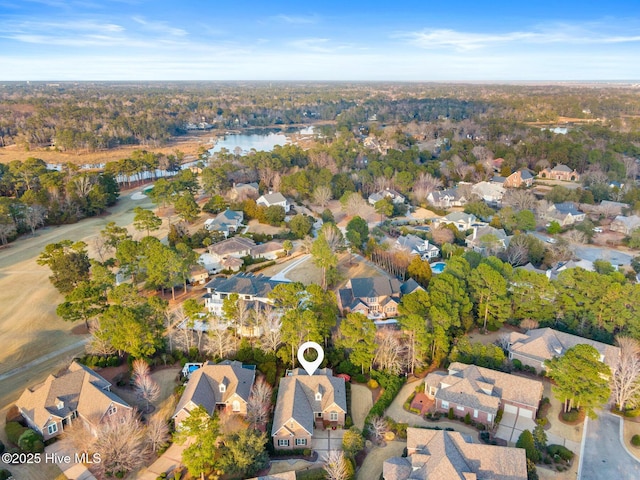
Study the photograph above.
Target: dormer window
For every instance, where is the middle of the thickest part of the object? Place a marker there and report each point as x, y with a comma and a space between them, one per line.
60, 405
223, 388
318, 397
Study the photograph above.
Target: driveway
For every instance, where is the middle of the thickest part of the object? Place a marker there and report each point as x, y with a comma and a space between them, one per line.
604, 455
615, 257
512, 425
324, 441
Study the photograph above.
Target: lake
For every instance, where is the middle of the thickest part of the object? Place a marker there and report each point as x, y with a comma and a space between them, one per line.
260, 140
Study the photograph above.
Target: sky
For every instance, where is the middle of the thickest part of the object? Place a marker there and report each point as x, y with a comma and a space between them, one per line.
530, 40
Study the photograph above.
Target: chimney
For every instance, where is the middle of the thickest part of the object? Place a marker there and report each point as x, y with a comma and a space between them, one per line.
475, 232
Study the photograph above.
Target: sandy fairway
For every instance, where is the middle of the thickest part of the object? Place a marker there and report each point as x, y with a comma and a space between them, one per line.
29, 327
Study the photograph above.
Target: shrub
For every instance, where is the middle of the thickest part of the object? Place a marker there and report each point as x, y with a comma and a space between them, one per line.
31, 442
392, 385
5, 474
348, 422
635, 440
571, 416
372, 384
14, 430
467, 418
517, 364
542, 421
360, 378
632, 413
417, 411
485, 436
499, 415
525, 440
451, 415
561, 451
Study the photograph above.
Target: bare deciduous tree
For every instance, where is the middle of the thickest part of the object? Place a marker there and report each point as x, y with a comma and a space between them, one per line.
442, 235
140, 368
503, 341
259, 403
121, 444
575, 236
625, 378
322, 195
333, 235
354, 204
147, 389
98, 343
517, 253
529, 324
34, 217
519, 199
377, 428
157, 432
6, 230
424, 185
391, 354
336, 467
220, 342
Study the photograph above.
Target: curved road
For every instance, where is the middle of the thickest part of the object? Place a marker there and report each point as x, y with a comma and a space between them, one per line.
604, 456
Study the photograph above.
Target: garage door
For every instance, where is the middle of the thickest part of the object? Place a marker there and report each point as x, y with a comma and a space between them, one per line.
510, 409
526, 413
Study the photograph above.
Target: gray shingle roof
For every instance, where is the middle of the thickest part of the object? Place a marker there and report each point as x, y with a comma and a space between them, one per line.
561, 168
273, 198
203, 387
296, 398
244, 284
369, 287
566, 208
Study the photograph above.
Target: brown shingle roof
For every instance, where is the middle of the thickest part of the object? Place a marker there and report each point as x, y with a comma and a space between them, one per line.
442, 455
77, 389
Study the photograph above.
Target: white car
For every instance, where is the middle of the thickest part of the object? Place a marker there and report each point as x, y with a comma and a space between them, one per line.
598, 229
551, 240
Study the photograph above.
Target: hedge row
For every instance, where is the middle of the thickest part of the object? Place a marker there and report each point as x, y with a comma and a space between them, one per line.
391, 385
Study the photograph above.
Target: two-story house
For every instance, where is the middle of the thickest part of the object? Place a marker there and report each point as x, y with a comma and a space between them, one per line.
77, 393
481, 392
624, 224
560, 172
451, 197
391, 194
250, 288
565, 213
375, 297
522, 177
462, 221
415, 245
487, 240
227, 222
271, 199
223, 386
306, 403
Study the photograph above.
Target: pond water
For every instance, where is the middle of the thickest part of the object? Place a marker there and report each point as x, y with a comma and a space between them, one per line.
260, 140
438, 267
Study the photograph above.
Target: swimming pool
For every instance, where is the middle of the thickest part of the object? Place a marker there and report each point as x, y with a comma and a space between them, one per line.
438, 267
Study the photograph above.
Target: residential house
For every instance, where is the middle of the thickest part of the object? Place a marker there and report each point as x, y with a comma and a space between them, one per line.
306, 403
251, 288
540, 344
443, 455
271, 199
522, 177
462, 221
243, 191
417, 246
392, 195
268, 250
198, 274
227, 222
498, 180
489, 192
451, 197
375, 297
560, 172
78, 392
564, 213
487, 239
225, 386
481, 392
624, 224
236, 247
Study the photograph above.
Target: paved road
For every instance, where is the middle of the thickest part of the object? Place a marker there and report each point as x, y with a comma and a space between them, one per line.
282, 275
615, 257
604, 455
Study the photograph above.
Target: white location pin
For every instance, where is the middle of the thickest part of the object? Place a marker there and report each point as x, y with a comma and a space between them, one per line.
310, 367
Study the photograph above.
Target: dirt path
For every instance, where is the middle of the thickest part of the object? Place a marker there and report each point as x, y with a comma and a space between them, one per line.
29, 327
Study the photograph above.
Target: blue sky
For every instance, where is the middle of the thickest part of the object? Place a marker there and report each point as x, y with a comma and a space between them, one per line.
321, 40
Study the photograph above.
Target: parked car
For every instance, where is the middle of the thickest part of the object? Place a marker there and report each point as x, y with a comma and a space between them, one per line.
551, 240
598, 229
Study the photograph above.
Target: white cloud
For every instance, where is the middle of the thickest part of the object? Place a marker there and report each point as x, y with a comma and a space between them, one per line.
160, 27
296, 19
554, 34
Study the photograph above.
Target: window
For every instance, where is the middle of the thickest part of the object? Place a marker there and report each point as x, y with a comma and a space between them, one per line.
283, 442
489, 417
319, 414
53, 428
236, 406
445, 404
460, 407
475, 414
333, 416
223, 388
300, 441
112, 410
318, 397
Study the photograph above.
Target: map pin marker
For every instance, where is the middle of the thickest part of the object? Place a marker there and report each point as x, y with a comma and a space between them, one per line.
310, 367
